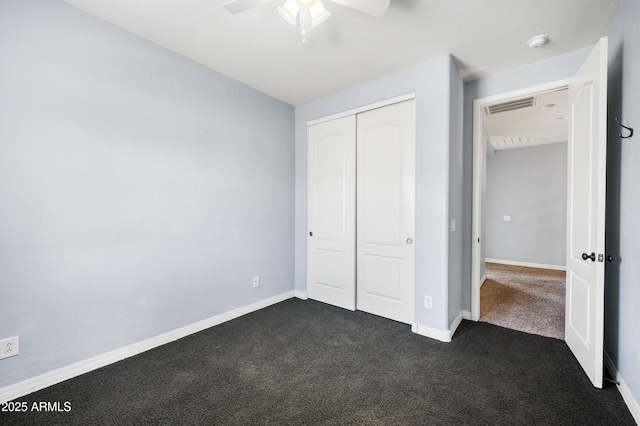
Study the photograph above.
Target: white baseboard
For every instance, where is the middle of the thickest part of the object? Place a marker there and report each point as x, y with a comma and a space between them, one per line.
301, 295
482, 280
441, 335
633, 405
48, 379
527, 264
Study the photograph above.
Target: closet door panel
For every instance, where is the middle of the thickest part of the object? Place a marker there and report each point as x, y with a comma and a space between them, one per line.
386, 211
331, 212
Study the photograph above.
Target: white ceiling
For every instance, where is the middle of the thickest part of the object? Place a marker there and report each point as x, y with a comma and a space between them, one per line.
261, 50
545, 121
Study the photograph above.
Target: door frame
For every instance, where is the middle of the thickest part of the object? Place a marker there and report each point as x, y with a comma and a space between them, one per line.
369, 107
479, 163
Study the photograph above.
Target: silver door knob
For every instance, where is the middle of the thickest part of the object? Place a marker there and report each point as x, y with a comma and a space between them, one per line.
409, 241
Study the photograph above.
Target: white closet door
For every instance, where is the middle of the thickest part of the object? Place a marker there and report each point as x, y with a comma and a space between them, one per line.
331, 203
386, 211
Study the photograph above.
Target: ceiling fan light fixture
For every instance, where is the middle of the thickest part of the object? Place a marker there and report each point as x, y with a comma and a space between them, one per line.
307, 30
318, 13
289, 11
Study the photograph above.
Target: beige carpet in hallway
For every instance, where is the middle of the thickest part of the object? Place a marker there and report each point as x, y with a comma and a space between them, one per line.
526, 299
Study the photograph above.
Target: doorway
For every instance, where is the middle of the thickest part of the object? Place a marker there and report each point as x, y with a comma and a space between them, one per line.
482, 147
586, 197
524, 211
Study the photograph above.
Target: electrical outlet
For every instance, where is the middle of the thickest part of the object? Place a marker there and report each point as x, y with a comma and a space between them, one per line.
9, 347
428, 302
256, 282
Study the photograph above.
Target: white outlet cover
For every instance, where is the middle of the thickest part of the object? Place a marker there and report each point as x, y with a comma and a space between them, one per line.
9, 347
428, 302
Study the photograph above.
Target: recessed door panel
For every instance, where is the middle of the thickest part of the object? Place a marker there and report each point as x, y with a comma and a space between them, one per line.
331, 265
578, 319
382, 168
382, 277
332, 152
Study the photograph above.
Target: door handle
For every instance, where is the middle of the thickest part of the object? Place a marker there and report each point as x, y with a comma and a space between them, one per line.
409, 241
585, 256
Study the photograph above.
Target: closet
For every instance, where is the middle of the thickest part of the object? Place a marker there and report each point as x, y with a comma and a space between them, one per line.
361, 211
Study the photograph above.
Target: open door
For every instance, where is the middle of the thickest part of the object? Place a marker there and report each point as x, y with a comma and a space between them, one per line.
587, 147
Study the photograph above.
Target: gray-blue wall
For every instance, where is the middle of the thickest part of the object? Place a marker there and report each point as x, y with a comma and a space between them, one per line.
622, 276
530, 185
139, 191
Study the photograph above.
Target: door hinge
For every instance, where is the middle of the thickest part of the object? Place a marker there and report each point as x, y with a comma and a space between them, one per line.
601, 257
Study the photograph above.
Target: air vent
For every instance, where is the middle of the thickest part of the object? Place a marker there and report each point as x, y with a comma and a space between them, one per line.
509, 106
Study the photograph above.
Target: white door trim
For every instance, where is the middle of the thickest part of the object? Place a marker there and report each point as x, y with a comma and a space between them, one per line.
478, 168
354, 111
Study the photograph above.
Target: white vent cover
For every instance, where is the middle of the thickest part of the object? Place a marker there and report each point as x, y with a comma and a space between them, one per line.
509, 106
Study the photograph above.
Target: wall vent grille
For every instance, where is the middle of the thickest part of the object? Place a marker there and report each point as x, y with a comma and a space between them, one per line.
509, 106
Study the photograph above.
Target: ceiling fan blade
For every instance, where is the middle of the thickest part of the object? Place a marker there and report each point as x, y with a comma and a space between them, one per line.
376, 8
238, 6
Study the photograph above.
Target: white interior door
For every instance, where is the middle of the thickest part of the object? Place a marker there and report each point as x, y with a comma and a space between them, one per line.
386, 211
331, 215
584, 322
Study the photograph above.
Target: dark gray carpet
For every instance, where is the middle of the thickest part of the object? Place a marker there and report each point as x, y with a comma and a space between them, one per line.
304, 362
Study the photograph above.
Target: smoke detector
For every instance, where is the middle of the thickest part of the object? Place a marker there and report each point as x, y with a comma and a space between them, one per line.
538, 41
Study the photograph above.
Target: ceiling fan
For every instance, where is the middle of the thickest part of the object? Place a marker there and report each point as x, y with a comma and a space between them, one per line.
311, 12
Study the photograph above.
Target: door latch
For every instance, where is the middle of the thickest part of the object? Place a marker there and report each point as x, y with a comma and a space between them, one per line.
601, 257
